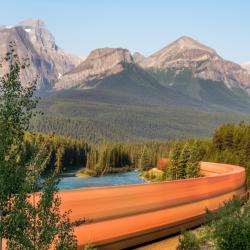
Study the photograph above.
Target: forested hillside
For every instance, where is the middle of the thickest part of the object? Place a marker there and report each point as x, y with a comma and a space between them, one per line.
110, 121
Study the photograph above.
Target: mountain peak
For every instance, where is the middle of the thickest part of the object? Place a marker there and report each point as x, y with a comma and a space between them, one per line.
32, 23
100, 63
188, 43
122, 55
181, 50
203, 62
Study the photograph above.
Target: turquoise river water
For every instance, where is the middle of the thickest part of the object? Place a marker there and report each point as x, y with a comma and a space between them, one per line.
68, 183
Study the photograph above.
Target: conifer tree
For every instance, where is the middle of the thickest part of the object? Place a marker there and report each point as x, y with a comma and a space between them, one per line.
193, 165
172, 169
183, 161
145, 162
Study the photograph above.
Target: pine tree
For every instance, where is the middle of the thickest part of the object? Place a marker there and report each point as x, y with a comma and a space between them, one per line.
193, 165
172, 169
183, 161
145, 162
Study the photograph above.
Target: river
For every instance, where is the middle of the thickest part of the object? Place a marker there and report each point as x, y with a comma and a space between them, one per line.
69, 183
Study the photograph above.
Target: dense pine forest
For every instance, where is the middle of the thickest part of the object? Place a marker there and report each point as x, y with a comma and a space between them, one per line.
99, 122
230, 144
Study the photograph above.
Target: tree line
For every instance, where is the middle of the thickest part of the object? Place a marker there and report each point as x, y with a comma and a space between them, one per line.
113, 158
229, 144
66, 153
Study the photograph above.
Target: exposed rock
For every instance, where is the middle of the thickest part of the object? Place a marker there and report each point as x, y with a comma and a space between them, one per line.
204, 62
44, 43
138, 57
35, 42
99, 64
246, 66
25, 49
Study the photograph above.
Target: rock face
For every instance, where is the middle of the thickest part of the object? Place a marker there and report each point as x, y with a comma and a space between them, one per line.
25, 49
204, 62
34, 41
138, 57
99, 64
246, 66
44, 43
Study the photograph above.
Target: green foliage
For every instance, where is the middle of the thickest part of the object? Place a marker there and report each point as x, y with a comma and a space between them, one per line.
231, 226
113, 158
231, 144
66, 153
185, 158
145, 161
192, 168
28, 220
99, 121
35, 221
172, 170
153, 175
228, 228
188, 241
16, 105
90, 247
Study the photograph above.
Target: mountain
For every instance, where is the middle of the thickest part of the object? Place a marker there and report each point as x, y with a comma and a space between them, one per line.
138, 57
25, 49
99, 64
111, 75
111, 97
204, 63
35, 42
246, 66
44, 43
184, 90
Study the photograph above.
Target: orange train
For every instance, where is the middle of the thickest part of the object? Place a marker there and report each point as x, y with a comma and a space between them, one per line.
126, 216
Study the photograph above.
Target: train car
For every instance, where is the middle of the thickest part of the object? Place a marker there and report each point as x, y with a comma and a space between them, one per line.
125, 216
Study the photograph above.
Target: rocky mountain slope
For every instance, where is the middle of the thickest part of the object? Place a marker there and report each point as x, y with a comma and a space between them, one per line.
138, 57
25, 49
184, 70
99, 64
204, 63
35, 42
246, 66
44, 43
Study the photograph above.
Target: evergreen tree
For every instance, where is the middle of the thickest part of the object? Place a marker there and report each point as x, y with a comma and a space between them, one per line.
145, 162
183, 161
193, 165
172, 169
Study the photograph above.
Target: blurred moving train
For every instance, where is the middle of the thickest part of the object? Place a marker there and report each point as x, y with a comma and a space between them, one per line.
125, 216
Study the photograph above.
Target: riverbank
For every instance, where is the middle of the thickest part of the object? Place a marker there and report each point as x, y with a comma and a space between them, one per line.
86, 172
153, 175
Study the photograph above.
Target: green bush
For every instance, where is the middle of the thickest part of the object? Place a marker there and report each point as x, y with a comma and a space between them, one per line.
188, 241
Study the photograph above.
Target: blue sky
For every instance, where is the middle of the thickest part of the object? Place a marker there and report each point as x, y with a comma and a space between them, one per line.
80, 26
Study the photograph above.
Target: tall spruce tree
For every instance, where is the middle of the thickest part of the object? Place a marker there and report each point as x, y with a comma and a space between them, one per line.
183, 161
193, 164
172, 169
145, 161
